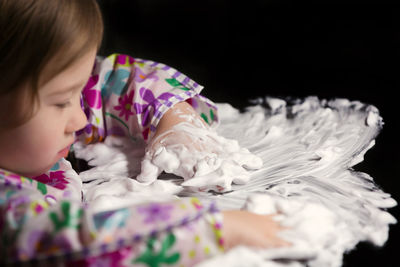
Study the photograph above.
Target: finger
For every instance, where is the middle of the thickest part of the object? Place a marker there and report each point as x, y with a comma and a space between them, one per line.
207, 165
276, 218
149, 171
213, 181
166, 160
238, 173
276, 242
246, 159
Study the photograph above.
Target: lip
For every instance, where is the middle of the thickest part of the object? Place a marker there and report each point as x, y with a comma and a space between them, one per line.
64, 152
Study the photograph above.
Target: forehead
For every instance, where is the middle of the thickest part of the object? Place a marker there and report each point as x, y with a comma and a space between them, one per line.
74, 75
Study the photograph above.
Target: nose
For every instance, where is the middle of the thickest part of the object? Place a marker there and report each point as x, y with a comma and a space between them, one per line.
77, 119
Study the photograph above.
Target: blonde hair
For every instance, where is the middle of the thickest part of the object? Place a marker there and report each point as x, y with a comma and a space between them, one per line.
39, 34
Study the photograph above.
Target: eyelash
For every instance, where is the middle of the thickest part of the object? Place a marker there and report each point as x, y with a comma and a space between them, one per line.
63, 105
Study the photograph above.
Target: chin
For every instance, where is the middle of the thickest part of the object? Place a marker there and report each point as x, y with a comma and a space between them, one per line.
40, 172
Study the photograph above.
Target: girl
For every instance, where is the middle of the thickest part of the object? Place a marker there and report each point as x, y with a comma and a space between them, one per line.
52, 95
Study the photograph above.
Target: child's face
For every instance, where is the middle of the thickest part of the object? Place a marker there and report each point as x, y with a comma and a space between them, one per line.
34, 147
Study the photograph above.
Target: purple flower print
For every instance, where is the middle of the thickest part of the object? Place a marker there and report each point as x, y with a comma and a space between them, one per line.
92, 133
153, 104
116, 131
11, 178
32, 243
125, 105
140, 76
156, 212
56, 179
16, 209
92, 96
17, 201
44, 242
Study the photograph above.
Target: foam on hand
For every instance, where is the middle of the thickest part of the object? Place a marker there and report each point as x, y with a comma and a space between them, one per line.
204, 159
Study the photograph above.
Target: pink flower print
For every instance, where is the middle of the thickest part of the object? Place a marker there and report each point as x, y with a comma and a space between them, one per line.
56, 179
125, 60
196, 203
36, 207
140, 76
125, 105
153, 104
156, 212
193, 103
92, 96
145, 133
115, 258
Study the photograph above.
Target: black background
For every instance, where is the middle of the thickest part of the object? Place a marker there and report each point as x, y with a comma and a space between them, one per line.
242, 50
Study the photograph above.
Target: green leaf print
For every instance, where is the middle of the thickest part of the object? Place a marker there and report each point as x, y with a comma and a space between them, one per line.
212, 116
42, 188
155, 259
175, 83
70, 220
205, 118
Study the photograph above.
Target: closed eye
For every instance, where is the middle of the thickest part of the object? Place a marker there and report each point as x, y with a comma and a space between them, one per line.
63, 105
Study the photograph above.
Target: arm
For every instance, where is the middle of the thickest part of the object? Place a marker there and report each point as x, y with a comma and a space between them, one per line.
179, 113
250, 229
66, 231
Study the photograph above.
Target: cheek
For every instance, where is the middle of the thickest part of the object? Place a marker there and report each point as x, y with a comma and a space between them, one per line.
47, 136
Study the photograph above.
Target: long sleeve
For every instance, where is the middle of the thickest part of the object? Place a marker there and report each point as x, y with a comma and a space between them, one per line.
128, 97
44, 223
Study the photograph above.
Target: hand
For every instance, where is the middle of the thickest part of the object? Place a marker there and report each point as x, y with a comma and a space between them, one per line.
185, 146
251, 229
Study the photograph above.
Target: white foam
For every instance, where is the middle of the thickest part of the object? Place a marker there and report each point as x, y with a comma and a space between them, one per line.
205, 160
307, 148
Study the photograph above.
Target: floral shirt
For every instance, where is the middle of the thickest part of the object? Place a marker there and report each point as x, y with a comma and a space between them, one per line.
44, 219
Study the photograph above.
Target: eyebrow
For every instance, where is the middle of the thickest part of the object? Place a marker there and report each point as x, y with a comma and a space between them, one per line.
69, 88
